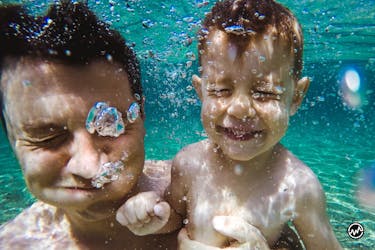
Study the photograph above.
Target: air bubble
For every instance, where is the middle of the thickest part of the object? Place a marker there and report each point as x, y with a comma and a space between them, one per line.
189, 88
188, 64
26, 83
238, 169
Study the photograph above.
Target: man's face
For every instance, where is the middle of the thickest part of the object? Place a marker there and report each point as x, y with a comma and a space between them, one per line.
247, 94
46, 105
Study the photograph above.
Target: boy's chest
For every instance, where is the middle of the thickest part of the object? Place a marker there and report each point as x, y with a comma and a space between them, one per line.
266, 207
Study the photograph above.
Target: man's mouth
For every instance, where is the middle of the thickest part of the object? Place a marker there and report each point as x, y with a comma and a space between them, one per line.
239, 134
81, 188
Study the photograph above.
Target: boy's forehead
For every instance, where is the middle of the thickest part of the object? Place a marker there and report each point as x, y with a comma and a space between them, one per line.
218, 42
262, 53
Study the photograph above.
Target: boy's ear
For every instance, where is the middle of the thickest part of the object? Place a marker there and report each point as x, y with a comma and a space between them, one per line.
197, 83
299, 92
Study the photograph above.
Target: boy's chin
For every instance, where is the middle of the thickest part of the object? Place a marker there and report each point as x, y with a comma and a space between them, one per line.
237, 154
241, 151
239, 157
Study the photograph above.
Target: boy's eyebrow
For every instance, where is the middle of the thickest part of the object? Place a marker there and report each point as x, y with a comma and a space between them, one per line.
224, 79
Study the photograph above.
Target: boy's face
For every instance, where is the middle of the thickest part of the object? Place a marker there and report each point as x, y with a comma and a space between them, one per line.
247, 96
46, 105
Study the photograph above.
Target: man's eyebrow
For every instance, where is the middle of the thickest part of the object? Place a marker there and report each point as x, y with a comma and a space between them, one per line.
42, 129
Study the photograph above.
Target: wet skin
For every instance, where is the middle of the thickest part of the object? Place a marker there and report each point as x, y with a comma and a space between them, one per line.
46, 105
247, 99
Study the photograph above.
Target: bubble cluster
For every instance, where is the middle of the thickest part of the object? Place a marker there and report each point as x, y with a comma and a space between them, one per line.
105, 120
108, 172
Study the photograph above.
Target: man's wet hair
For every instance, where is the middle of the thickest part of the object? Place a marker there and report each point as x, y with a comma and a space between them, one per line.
255, 18
69, 32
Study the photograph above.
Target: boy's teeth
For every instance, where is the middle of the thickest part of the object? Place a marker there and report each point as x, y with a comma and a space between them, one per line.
238, 132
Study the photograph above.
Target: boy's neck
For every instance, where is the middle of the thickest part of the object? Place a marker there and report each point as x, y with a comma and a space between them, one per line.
260, 162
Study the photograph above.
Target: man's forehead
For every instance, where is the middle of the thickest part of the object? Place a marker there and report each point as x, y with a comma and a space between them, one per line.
52, 75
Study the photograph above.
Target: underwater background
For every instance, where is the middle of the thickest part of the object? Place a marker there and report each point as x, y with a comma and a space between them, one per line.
333, 132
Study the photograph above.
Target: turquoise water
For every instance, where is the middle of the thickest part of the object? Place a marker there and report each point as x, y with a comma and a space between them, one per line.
335, 139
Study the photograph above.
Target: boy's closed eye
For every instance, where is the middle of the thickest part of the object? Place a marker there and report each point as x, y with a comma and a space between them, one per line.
268, 92
262, 95
219, 91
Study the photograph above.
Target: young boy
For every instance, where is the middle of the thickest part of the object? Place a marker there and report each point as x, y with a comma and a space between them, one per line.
251, 62
71, 101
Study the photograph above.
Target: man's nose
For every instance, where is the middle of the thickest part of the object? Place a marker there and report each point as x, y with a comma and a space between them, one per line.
241, 106
86, 156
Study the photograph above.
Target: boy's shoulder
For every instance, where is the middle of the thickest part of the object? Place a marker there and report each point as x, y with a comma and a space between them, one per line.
37, 227
196, 148
192, 155
302, 176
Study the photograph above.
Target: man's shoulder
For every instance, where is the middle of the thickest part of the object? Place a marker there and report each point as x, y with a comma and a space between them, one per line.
35, 227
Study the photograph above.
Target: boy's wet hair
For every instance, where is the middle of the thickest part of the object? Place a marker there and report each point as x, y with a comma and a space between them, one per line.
69, 33
249, 19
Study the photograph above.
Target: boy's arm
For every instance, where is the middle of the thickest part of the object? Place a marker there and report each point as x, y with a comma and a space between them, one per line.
176, 192
311, 220
156, 176
146, 212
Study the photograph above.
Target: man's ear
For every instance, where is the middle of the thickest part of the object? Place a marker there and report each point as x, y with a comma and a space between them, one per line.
299, 92
197, 83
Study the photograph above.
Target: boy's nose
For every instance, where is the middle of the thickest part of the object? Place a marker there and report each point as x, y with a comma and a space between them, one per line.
241, 107
85, 156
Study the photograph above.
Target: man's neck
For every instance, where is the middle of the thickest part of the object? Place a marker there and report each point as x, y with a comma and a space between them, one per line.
98, 234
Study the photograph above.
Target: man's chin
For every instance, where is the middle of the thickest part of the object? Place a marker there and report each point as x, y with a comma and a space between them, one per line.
96, 212
93, 216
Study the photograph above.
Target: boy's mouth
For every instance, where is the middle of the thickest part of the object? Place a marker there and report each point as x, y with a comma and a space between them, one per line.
238, 134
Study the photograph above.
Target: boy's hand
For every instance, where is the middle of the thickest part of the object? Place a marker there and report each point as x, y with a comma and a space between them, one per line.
144, 213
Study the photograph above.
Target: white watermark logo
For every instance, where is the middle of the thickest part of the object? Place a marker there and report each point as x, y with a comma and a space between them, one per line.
356, 230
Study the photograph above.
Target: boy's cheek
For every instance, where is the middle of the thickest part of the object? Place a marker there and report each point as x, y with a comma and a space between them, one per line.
273, 108
210, 108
